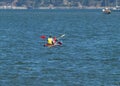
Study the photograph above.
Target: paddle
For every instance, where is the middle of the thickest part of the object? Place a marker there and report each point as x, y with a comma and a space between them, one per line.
43, 37
60, 43
61, 36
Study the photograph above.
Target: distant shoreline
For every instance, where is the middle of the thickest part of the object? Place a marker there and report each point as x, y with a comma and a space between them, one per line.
25, 8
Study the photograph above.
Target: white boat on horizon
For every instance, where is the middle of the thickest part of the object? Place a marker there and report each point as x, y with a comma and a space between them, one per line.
117, 7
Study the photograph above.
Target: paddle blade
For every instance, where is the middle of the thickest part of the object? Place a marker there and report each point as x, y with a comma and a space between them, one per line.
42, 37
59, 43
63, 35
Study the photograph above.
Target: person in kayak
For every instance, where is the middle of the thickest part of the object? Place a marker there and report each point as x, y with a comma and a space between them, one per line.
50, 40
54, 40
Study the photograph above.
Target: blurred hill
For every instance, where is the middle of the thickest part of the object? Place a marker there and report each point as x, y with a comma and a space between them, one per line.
57, 3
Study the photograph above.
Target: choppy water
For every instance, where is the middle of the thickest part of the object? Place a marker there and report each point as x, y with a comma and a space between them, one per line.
89, 56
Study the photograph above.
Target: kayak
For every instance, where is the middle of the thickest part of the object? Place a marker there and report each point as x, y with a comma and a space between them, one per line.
52, 45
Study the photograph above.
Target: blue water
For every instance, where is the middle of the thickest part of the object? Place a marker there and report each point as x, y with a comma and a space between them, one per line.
89, 56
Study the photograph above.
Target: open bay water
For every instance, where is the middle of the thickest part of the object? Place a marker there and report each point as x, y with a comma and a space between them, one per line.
89, 56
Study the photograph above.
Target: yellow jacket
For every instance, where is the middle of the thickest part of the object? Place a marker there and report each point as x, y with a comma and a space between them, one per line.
50, 40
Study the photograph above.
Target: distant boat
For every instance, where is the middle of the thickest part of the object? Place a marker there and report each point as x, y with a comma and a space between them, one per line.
117, 7
106, 10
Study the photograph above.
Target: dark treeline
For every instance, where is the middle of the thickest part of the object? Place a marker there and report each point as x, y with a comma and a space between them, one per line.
58, 3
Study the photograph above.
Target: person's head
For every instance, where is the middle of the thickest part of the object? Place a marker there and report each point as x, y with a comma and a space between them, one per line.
50, 36
54, 37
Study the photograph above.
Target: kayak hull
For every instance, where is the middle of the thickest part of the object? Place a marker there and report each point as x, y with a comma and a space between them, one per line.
52, 45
